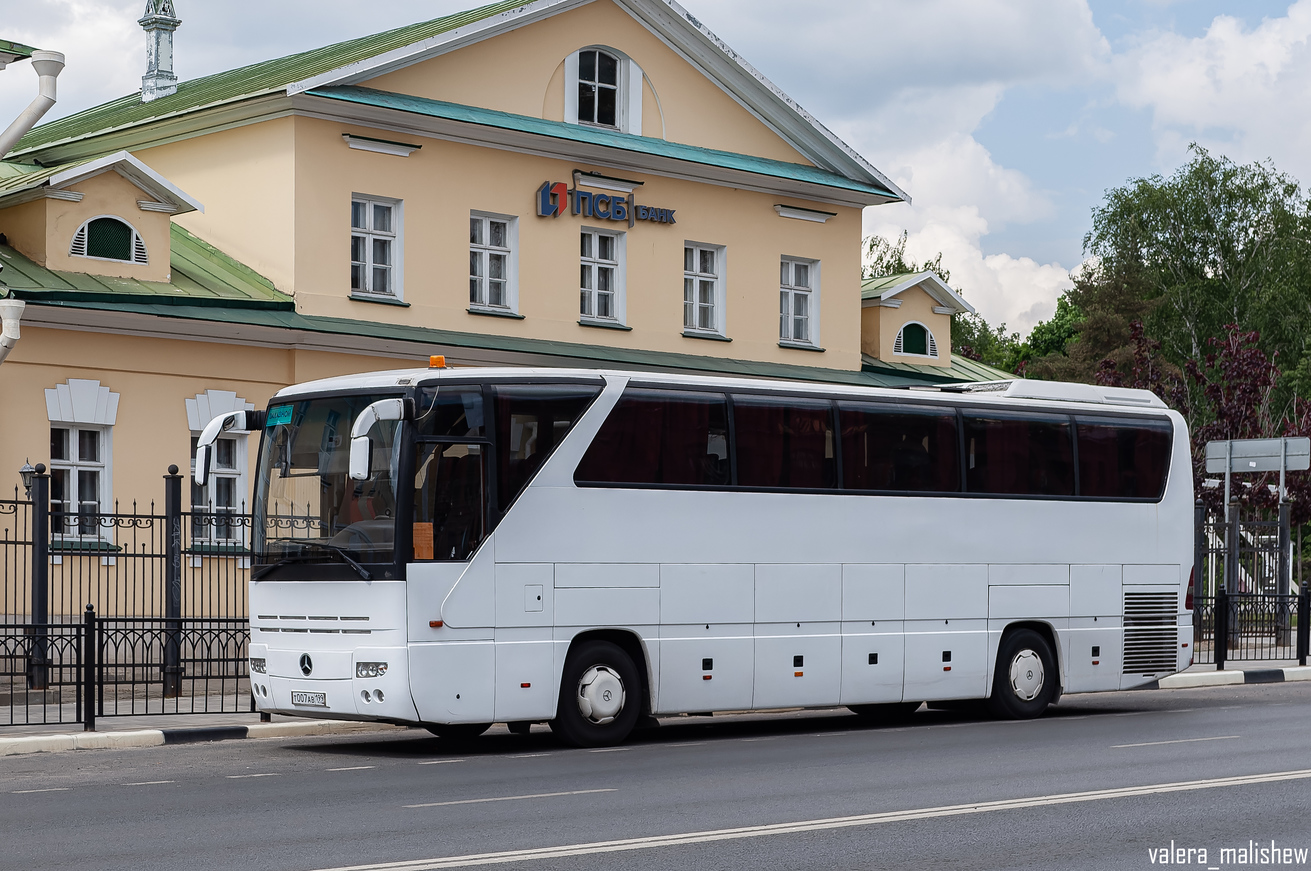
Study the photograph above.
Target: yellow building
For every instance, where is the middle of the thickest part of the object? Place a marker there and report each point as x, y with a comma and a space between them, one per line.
595, 183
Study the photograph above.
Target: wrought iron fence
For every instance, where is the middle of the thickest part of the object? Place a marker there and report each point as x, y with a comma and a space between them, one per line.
41, 673
1250, 627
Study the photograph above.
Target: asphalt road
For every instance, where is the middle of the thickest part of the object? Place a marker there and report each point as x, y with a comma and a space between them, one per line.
1097, 784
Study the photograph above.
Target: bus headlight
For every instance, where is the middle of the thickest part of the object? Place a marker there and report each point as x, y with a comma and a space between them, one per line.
370, 669
258, 666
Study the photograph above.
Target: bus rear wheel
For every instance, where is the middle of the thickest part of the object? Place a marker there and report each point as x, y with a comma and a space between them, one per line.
1025, 682
458, 731
600, 696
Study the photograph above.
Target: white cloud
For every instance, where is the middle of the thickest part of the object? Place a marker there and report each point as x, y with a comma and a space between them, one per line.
1245, 92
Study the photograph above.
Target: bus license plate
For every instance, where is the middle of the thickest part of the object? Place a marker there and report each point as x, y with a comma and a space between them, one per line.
318, 700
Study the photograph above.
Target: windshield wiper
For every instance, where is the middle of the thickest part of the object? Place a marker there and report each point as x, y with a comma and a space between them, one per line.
301, 557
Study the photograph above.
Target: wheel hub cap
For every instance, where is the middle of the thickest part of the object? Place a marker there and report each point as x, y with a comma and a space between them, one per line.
600, 694
1027, 675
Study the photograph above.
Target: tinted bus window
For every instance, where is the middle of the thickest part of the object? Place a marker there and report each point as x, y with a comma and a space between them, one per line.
1122, 459
449, 500
454, 411
784, 442
899, 447
661, 437
1022, 456
531, 419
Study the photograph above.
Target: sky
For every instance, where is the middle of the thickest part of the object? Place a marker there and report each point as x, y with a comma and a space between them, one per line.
1005, 120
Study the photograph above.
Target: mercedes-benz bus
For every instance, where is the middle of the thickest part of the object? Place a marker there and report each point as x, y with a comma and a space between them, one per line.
452, 548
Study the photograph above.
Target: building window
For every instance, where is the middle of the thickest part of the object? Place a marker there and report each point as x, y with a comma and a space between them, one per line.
491, 262
214, 507
601, 280
375, 246
798, 299
915, 340
77, 479
703, 285
603, 87
108, 238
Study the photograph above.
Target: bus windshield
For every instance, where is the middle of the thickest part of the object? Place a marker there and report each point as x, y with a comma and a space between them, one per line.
307, 508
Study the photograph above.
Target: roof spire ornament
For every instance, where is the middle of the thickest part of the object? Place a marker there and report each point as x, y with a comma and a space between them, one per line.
159, 22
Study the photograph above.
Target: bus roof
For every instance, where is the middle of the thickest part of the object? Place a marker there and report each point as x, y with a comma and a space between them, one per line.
986, 391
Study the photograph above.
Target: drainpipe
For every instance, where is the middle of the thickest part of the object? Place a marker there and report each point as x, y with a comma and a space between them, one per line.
10, 311
48, 66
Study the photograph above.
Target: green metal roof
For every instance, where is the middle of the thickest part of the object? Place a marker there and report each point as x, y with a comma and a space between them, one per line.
202, 276
246, 82
15, 177
873, 287
597, 136
15, 50
961, 369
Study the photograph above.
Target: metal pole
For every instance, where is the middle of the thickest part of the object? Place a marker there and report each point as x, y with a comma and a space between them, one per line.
1199, 567
173, 583
1283, 467
1285, 586
89, 642
38, 675
1303, 624
1229, 465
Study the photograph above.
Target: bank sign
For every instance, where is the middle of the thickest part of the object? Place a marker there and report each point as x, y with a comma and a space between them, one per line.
553, 197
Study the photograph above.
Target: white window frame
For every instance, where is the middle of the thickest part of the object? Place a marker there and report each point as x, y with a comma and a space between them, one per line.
788, 293
69, 527
237, 473
628, 99
718, 325
620, 295
83, 404
511, 251
78, 247
396, 237
932, 343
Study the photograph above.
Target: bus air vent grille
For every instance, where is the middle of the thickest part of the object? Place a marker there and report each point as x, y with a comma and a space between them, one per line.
1151, 632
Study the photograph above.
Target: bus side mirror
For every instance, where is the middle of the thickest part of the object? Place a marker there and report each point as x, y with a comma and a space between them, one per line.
361, 447
202, 465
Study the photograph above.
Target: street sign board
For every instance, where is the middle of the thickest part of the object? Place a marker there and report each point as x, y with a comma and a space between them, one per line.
1259, 455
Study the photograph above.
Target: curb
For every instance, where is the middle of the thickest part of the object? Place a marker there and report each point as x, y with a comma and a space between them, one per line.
156, 737
1185, 680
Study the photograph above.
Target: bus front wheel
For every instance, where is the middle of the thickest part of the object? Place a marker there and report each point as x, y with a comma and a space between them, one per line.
1026, 681
600, 696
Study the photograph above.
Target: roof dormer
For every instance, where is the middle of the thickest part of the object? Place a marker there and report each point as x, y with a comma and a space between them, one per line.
906, 318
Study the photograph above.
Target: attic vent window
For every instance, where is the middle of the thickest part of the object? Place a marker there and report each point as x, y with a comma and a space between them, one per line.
107, 238
915, 340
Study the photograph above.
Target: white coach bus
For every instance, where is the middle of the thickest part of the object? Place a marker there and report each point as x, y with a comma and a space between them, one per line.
456, 547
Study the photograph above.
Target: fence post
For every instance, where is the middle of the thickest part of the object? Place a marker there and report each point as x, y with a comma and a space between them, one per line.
89, 644
1303, 624
38, 674
1221, 628
1282, 628
1198, 579
173, 583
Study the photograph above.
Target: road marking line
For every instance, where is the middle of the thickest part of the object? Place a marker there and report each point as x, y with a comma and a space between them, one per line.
351, 768
1177, 741
239, 776
611, 750
51, 789
510, 798
440, 761
628, 844
150, 782
529, 755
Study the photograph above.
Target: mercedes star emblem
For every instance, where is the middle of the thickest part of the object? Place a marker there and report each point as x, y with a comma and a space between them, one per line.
306, 664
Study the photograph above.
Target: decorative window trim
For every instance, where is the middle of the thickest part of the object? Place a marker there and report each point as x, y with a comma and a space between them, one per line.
78, 247
620, 318
812, 316
932, 342
801, 214
511, 250
720, 327
397, 237
628, 100
379, 146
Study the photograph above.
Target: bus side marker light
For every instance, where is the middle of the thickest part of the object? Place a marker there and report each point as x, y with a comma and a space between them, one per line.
706, 676
946, 668
1185, 644
797, 673
434, 624
524, 685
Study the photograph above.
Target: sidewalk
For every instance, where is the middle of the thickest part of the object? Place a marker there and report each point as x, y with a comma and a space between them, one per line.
151, 731
1244, 672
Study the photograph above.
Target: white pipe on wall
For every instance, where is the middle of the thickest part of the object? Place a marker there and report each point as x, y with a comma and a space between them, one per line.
11, 310
48, 66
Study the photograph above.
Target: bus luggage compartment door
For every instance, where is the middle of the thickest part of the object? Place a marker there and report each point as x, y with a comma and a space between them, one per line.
454, 681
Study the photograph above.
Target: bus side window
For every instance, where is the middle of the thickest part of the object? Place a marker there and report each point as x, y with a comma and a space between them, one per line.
661, 437
784, 442
899, 448
531, 419
1014, 455
449, 496
1123, 459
